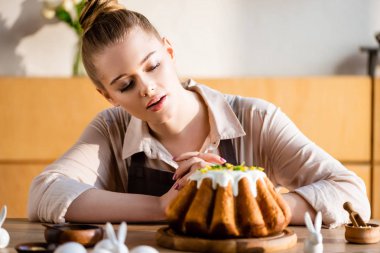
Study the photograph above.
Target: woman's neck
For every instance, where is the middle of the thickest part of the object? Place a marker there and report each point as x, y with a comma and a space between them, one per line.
188, 129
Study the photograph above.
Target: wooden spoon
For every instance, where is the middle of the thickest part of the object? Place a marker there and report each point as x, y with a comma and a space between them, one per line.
355, 218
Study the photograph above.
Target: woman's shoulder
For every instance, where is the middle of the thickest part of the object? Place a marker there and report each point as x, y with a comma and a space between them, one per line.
113, 116
245, 108
238, 102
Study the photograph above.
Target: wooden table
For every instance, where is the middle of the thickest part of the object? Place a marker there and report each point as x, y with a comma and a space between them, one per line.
21, 231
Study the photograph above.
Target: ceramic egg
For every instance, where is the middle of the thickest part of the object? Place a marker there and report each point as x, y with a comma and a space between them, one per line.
106, 246
71, 247
4, 238
101, 251
144, 249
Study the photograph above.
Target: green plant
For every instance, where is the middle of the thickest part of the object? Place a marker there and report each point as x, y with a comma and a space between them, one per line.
67, 11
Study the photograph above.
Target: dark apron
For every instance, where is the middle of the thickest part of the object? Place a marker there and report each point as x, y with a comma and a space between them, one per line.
148, 181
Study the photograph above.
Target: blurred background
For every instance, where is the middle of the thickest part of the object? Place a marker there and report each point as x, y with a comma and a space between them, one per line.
212, 38
317, 60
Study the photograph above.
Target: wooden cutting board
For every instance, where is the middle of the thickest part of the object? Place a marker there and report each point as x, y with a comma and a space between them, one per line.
167, 238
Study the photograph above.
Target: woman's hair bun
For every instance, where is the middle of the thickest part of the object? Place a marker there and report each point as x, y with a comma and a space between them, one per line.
105, 22
96, 8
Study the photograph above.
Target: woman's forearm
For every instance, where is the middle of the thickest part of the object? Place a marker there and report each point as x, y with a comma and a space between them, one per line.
96, 205
298, 207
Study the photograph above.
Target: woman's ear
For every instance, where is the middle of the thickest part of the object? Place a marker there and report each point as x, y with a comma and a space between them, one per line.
168, 47
105, 94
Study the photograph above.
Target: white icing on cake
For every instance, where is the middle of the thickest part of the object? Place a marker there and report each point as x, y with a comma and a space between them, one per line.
222, 177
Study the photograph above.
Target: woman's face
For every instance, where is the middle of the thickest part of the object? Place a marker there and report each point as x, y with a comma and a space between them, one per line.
139, 75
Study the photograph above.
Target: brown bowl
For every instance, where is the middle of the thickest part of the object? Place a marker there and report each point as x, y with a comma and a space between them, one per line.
87, 235
369, 234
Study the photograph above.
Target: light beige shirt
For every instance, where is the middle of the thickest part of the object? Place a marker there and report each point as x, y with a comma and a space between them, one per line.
262, 135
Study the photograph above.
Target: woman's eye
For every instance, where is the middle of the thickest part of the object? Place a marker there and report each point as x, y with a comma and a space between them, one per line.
127, 86
154, 67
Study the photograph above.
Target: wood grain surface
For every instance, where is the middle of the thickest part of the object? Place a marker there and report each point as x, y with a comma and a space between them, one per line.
167, 238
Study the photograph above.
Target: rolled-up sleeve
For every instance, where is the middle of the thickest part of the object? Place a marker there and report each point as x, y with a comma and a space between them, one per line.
84, 166
293, 161
50, 196
301, 166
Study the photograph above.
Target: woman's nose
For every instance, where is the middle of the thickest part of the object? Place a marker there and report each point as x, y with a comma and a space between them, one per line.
147, 88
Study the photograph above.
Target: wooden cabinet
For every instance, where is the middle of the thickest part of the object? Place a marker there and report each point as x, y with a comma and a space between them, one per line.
376, 152
15, 180
43, 117
334, 112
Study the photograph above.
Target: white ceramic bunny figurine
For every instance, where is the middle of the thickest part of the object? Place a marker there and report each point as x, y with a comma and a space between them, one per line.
113, 244
4, 236
313, 244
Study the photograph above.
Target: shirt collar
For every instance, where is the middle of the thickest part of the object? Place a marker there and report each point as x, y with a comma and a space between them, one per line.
223, 121
223, 125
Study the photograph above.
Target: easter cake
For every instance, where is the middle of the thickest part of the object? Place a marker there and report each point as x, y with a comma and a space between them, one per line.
228, 202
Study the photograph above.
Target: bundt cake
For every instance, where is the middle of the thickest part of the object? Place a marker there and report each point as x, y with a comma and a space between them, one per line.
228, 201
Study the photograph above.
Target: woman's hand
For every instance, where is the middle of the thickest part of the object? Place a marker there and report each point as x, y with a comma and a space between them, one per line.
189, 162
167, 198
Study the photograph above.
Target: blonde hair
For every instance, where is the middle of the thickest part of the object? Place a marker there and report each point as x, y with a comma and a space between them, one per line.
106, 22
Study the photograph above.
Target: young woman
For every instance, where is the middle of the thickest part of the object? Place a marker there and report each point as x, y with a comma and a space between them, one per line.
132, 159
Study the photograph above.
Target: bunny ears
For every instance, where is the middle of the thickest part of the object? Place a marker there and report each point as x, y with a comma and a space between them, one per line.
121, 235
116, 244
3, 215
4, 235
113, 244
316, 228
313, 244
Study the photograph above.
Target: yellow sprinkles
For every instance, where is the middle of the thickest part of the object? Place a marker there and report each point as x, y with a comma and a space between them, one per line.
230, 167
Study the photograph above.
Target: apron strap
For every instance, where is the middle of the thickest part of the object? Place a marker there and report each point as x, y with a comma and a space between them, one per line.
148, 181
227, 151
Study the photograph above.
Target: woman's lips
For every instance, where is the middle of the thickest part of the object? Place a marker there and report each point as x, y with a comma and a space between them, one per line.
156, 103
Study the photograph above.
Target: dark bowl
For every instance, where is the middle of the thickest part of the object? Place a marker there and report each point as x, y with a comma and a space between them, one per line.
35, 247
87, 235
